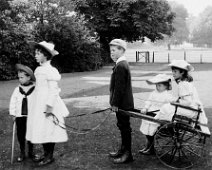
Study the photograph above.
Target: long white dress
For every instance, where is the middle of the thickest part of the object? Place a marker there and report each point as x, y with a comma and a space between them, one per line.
188, 96
41, 129
155, 101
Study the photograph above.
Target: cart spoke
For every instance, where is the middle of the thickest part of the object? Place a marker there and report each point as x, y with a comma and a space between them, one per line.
170, 150
178, 145
189, 149
164, 146
192, 144
179, 155
190, 137
185, 157
173, 155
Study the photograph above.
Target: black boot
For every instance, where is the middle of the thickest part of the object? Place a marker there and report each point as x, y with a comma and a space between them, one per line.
49, 155
118, 153
121, 150
21, 156
31, 154
45, 152
150, 146
126, 157
22, 153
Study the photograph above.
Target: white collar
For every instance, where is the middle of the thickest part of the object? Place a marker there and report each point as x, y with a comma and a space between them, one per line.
47, 63
122, 58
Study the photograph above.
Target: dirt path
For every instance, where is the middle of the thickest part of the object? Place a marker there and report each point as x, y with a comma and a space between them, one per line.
74, 84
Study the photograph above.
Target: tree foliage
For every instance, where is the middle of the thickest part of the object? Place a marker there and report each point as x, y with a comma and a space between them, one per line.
130, 19
202, 33
69, 34
37, 20
180, 25
78, 35
181, 32
13, 38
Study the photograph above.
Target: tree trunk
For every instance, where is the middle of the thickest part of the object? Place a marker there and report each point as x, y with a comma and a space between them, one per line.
169, 46
105, 50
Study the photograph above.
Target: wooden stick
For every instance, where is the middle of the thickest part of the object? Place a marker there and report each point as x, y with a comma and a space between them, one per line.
142, 116
150, 118
13, 142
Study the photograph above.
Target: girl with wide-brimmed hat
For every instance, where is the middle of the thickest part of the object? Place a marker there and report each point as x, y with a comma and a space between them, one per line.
187, 94
41, 129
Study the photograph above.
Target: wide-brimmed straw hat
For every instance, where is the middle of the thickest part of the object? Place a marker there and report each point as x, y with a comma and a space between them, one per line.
182, 64
26, 69
119, 42
160, 78
49, 47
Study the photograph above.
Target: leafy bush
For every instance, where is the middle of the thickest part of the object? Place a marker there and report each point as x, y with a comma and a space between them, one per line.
22, 22
14, 49
78, 51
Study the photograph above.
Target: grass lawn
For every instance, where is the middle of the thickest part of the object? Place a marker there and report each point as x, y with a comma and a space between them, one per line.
90, 151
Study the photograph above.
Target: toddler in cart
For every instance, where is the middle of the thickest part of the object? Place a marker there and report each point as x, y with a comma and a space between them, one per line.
160, 96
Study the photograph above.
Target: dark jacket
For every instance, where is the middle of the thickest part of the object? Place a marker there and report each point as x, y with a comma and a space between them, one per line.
121, 94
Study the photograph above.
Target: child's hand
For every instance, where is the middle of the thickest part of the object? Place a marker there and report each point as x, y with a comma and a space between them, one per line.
48, 114
13, 118
115, 109
48, 109
144, 111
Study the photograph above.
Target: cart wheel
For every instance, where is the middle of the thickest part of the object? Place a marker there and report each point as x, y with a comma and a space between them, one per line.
178, 145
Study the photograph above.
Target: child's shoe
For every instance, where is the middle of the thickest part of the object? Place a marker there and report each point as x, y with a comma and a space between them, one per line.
33, 157
21, 157
143, 150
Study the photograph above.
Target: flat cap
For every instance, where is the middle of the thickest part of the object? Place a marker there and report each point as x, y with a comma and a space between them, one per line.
119, 42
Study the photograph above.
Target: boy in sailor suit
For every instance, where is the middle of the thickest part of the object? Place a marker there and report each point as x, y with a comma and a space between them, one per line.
21, 105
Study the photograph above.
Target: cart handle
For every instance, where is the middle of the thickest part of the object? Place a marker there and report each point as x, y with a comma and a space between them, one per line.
185, 107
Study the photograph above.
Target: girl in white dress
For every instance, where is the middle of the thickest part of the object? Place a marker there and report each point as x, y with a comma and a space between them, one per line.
157, 98
40, 126
187, 94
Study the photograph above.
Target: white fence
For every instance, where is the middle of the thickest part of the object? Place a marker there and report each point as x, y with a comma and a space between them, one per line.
165, 56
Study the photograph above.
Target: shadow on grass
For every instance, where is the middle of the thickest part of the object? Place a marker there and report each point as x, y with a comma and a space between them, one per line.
102, 90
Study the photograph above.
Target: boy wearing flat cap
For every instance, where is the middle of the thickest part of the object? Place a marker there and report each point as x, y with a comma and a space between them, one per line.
121, 97
21, 105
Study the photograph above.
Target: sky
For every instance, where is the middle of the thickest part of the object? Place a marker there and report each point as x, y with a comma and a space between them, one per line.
194, 7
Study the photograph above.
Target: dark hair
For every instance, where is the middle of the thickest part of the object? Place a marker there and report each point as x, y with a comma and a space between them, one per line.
47, 54
185, 76
22, 71
167, 84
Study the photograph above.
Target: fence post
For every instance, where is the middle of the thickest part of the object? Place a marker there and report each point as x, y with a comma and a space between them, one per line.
200, 58
147, 56
153, 57
184, 55
168, 58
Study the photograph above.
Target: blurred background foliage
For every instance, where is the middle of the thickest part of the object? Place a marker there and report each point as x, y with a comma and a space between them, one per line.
82, 29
